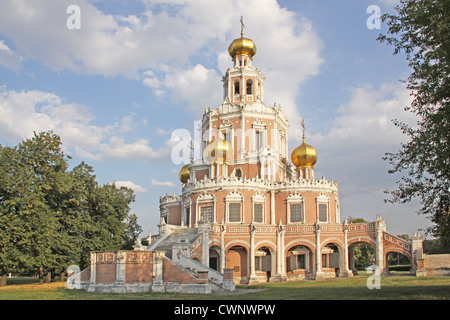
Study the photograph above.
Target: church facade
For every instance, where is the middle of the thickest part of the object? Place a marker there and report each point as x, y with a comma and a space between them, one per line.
249, 211
257, 207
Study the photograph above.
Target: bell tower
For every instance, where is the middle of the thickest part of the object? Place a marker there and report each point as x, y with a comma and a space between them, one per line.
243, 83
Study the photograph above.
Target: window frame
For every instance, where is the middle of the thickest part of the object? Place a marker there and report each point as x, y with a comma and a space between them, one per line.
295, 198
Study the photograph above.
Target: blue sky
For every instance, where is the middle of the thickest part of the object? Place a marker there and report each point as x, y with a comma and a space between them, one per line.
135, 71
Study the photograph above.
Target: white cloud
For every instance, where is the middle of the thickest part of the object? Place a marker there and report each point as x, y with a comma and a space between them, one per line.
351, 151
163, 183
198, 86
22, 113
158, 44
8, 58
130, 185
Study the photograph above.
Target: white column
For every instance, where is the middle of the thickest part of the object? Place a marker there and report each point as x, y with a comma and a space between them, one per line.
347, 272
242, 135
120, 267
272, 207
92, 279
158, 285
252, 253
380, 226
319, 273
222, 248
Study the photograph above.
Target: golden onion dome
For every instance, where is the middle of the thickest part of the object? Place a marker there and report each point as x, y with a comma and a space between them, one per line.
218, 150
242, 46
304, 156
184, 173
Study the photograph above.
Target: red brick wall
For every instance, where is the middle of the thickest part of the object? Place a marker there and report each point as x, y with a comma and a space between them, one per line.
139, 267
173, 274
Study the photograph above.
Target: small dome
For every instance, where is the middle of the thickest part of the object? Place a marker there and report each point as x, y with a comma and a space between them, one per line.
304, 156
242, 46
218, 150
184, 173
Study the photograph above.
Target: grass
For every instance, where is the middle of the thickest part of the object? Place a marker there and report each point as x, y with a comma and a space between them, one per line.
392, 288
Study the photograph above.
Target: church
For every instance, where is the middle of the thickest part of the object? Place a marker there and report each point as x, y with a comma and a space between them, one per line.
258, 206
250, 210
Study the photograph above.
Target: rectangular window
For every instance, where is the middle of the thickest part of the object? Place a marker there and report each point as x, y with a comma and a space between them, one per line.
257, 263
249, 86
259, 140
258, 207
206, 214
188, 211
323, 214
296, 212
324, 260
234, 214
236, 88
301, 261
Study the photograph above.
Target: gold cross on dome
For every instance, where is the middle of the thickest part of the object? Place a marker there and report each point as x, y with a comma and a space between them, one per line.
242, 25
303, 126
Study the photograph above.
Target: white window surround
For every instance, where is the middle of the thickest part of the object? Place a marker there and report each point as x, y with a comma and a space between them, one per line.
234, 197
260, 126
259, 198
323, 199
295, 198
205, 198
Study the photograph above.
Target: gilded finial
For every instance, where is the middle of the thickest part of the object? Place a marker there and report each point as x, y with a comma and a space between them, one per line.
242, 26
303, 126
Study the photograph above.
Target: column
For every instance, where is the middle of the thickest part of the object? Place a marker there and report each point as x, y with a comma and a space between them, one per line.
346, 271
158, 285
319, 273
242, 135
205, 243
272, 207
380, 227
252, 253
92, 279
222, 249
280, 267
120, 267
416, 254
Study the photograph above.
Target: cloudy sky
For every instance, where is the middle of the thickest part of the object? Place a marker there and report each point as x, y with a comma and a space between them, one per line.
117, 82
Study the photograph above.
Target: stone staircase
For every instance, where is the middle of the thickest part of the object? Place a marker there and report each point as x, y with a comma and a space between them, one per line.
176, 245
184, 236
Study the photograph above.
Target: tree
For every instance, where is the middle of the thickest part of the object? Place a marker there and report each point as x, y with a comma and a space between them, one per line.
51, 217
421, 30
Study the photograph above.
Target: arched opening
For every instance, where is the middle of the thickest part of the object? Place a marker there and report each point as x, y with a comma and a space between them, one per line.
331, 260
299, 262
361, 256
264, 263
236, 259
397, 263
214, 257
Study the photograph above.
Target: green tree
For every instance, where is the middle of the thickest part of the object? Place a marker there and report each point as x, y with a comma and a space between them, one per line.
421, 30
50, 217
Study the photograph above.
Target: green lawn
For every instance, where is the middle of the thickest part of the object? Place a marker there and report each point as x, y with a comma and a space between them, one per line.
401, 288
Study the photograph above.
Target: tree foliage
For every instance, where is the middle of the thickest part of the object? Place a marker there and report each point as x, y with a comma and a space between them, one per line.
421, 30
51, 217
